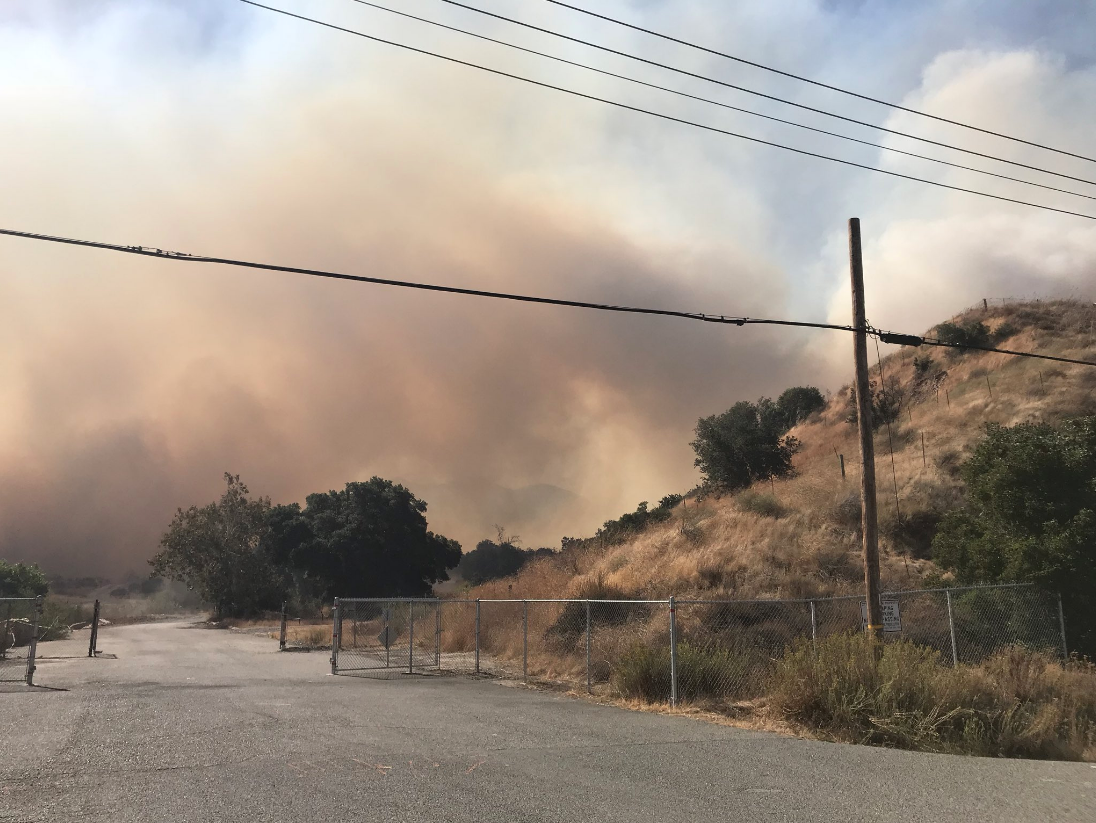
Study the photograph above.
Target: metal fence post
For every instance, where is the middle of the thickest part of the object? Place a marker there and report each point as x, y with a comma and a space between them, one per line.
411, 637
94, 641
335, 637
588, 690
437, 634
387, 608
525, 640
673, 652
1062, 627
477, 633
814, 625
34, 640
283, 629
951, 629
6, 634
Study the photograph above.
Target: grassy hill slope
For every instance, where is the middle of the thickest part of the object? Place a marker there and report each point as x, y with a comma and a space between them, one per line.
799, 537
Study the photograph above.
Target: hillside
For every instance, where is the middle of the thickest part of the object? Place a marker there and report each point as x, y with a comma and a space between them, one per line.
807, 543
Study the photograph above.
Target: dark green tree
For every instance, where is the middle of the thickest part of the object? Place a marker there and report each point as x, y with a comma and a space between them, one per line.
368, 540
491, 560
22, 580
1030, 516
216, 551
974, 333
798, 403
746, 443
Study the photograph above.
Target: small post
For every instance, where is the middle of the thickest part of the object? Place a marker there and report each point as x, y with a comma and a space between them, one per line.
34, 640
281, 631
1042, 385
909, 411
841, 457
947, 396
437, 634
411, 637
990, 387
525, 640
6, 634
94, 641
951, 630
588, 691
335, 637
924, 458
985, 304
1062, 627
477, 633
814, 625
673, 652
387, 634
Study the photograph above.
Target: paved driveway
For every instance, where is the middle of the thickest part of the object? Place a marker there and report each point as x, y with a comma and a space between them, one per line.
190, 724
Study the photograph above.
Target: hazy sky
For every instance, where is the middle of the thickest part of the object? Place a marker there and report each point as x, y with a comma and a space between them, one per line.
128, 385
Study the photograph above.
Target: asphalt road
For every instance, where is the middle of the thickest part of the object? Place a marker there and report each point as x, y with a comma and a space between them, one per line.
191, 724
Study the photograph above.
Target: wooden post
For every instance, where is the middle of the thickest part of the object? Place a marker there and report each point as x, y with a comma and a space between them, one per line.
869, 516
947, 397
841, 457
924, 459
990, 387
93, 641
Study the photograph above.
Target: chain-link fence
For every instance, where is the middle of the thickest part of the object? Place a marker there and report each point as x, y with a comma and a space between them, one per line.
18, 631
676, 650
34, 631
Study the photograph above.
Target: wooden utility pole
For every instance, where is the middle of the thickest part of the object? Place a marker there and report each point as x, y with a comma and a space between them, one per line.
868, 516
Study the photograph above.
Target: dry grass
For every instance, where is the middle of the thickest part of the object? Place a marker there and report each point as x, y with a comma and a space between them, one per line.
720, 546
1018, 703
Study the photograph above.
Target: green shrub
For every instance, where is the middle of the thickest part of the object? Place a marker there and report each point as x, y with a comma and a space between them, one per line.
1017, 704
761, 504
643, 673
702, 673
1005, 331
922, 363
571, 622
963, 335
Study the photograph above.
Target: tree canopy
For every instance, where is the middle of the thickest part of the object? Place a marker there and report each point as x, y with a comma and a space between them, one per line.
491, 560
22, 580
1030, 515
368, 540
746, 443
216, 551
798, 403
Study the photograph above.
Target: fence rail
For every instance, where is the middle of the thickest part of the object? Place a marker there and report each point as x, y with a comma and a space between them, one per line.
692, 648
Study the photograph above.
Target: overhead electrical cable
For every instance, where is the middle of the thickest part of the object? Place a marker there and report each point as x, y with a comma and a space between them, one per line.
756, 93
750, 112
183, 257
663, 116
818, 83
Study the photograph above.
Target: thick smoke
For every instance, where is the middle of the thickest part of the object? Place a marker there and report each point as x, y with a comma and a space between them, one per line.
128, 386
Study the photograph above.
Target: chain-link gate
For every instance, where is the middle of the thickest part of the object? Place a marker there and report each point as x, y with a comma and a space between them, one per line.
18, 638
390, 635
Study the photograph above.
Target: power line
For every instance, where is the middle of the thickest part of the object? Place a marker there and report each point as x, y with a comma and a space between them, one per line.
663, 116
816, 82
183, 257
756, 93
607, 73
